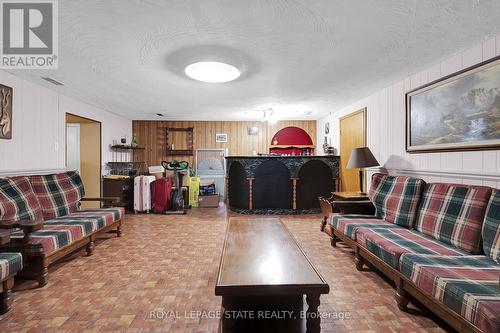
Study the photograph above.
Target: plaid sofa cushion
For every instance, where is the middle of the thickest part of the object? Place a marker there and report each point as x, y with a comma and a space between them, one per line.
58, 194
10, 264
468, 285
64, 230
102, 216
454, 214
390, 244
491, 228
396, 198
52, 237
348, 224
17, 200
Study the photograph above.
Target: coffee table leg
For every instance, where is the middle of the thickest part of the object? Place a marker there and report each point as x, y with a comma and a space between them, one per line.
228, 324
313, 319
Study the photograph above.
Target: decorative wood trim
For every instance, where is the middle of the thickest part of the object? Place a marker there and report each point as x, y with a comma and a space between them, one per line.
292, 146
30, 172
294, 193
488, 176
189, 141
250, 193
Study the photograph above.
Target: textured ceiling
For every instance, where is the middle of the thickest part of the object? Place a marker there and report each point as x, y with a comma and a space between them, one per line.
303, 58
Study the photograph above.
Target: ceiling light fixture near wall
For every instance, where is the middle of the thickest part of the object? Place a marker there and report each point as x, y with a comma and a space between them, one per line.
270, 116
212, 72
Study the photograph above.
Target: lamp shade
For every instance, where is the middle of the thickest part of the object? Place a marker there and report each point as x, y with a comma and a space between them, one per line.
361, 158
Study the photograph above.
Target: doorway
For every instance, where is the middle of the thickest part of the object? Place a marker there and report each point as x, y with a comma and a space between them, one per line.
83, 153
352, 135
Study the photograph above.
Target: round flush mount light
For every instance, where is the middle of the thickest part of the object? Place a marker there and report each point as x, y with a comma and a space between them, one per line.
212, 72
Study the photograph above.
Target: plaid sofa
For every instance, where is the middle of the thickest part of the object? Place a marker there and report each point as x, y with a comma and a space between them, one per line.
454, 214
55, 199
442, 238
468, 285
62, 231
491, 228
390, 244
10, 264
396, 200
449, 222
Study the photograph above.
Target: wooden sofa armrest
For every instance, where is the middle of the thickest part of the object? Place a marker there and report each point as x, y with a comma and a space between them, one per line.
325, 205
4, 236
106, 201
353, 207
28, 226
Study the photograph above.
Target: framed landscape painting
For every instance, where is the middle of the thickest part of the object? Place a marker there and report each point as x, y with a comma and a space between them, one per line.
458, 112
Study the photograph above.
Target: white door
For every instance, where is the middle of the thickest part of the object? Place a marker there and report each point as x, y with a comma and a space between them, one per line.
73, 147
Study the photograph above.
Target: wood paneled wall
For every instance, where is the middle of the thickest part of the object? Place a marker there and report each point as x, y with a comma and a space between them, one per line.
151, 135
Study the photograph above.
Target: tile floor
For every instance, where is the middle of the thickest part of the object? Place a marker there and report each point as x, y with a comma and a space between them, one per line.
164, 267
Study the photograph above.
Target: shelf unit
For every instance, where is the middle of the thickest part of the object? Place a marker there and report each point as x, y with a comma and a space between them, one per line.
126, 147
122, 160
295, 150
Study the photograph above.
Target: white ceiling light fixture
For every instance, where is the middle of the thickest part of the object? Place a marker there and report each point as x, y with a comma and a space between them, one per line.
212, 72
270, 116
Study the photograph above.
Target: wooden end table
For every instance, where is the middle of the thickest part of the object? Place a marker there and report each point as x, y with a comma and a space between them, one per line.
349, 196
339, 196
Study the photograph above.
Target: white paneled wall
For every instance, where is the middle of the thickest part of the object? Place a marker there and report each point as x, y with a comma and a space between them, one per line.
38, 133
386, 127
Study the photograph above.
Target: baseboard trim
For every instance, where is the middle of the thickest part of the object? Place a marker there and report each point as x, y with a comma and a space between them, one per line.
472, 175
29, 172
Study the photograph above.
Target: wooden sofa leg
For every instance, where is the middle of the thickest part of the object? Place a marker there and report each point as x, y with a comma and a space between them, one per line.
402, 298
323, 225
5, 301
358, 259
333, 241
90, 248
119, 230
43, 276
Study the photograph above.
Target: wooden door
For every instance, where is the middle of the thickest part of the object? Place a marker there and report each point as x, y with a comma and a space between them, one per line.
352, 135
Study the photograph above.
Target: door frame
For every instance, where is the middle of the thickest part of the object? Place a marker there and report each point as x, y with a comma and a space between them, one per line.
364, 112
100, 141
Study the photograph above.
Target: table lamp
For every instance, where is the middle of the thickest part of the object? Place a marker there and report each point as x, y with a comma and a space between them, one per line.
361, 158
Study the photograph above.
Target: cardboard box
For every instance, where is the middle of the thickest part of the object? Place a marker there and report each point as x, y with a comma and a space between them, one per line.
194, 190
209, 201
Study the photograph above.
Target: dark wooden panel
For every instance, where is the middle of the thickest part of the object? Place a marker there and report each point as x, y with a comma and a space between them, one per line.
272, 187
315, 180
238, 186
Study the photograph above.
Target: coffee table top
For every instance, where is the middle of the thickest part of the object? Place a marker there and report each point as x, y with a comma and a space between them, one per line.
261, 257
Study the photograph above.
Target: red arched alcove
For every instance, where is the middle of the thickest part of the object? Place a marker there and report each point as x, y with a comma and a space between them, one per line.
292, 141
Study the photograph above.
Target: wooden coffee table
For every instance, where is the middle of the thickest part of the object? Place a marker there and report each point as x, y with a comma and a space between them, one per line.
262, 267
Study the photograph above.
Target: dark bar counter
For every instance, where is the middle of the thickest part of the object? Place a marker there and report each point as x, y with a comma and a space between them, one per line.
280, 184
